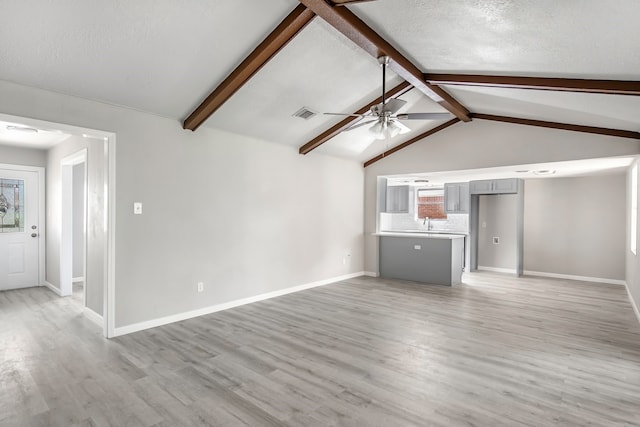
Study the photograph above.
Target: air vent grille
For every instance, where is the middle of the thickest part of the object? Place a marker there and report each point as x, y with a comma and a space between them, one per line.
304, 113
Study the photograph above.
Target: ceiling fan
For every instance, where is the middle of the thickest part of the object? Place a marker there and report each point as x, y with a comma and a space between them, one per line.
386, 123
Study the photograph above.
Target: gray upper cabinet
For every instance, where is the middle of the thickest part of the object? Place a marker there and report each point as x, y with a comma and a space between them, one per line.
494, 186
456, 197
505, 186
398, 199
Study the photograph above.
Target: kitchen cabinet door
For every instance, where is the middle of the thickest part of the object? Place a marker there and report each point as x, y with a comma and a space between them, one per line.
463, 198
456, 197
505, 186
451, 197
494, 186
398, 199
484, 186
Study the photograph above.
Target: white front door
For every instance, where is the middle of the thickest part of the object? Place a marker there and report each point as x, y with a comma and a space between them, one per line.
19, 233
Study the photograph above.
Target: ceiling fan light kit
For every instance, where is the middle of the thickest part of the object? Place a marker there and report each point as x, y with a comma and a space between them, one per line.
383, 130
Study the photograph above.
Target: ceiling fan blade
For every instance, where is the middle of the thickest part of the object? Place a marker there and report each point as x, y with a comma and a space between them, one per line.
346, 115
360, 124
403, 129
423, 116
392, 105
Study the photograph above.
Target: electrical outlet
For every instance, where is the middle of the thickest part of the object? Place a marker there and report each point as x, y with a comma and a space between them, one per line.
346, 259
200, 286
137, 208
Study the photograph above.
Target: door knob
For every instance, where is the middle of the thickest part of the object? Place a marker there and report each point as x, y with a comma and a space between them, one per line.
34, 234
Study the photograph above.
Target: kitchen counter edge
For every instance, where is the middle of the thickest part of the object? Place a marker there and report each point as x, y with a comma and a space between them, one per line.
420, 235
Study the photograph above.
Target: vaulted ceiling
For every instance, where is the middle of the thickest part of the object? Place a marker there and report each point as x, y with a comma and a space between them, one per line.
166, 57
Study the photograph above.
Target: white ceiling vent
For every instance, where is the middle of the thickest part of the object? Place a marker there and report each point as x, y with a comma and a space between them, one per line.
304, 113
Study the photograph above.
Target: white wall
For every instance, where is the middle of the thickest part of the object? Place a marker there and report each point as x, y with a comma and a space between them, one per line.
482, 144
96, 236
633, 260
576, 226
22, 156
242, 215
497, 218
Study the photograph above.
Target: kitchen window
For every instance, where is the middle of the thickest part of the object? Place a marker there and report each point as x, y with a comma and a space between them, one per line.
431, 204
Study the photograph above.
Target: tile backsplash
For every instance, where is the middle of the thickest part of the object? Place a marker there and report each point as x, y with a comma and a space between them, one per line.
402, 222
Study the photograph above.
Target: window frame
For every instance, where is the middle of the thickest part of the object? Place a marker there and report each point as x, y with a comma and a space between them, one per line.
418, 204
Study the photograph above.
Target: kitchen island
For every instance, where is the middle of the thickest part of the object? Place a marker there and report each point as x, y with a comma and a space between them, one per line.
436, 258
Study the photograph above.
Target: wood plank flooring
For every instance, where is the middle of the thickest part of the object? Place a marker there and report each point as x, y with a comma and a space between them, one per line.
494, 351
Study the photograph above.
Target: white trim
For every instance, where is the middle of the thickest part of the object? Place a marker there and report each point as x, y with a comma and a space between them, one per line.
498, 270
52, 288
573, 277
370, 274
109, 297
93, 316
42, 221
42, 253
135, 327
77, 279
633, 302
66, 214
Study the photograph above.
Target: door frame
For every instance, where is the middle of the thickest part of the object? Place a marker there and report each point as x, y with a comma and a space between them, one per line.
109, 138
41, 214
66, 227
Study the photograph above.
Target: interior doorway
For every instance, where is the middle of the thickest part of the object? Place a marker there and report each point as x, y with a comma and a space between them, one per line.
98, 217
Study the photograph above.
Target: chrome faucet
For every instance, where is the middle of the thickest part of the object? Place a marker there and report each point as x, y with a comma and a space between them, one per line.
427, 221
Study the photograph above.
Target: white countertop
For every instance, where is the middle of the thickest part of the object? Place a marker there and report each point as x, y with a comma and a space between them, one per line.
420, 235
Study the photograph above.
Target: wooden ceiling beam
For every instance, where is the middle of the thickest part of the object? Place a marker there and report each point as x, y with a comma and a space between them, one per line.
609, 87
411, 141
270, 46
346, 2
563, 126
343, 125
347, 23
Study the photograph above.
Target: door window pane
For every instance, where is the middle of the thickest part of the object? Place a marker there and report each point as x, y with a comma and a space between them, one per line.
11, 205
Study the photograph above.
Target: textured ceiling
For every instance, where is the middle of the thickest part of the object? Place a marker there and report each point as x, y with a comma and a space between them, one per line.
165, 57
162, 57
567, 38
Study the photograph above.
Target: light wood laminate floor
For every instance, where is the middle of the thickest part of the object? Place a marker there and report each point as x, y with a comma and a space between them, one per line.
493, 351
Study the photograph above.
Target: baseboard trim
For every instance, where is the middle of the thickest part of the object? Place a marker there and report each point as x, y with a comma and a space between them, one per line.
370, 274
93, 316
498, 270
573, 277
52, 288
633, 303
77, 279
135, 327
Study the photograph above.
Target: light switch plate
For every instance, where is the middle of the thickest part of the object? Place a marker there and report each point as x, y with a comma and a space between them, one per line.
137, 208
417, 247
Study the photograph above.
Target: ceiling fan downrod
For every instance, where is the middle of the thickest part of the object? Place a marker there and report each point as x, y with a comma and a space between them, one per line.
384, 61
